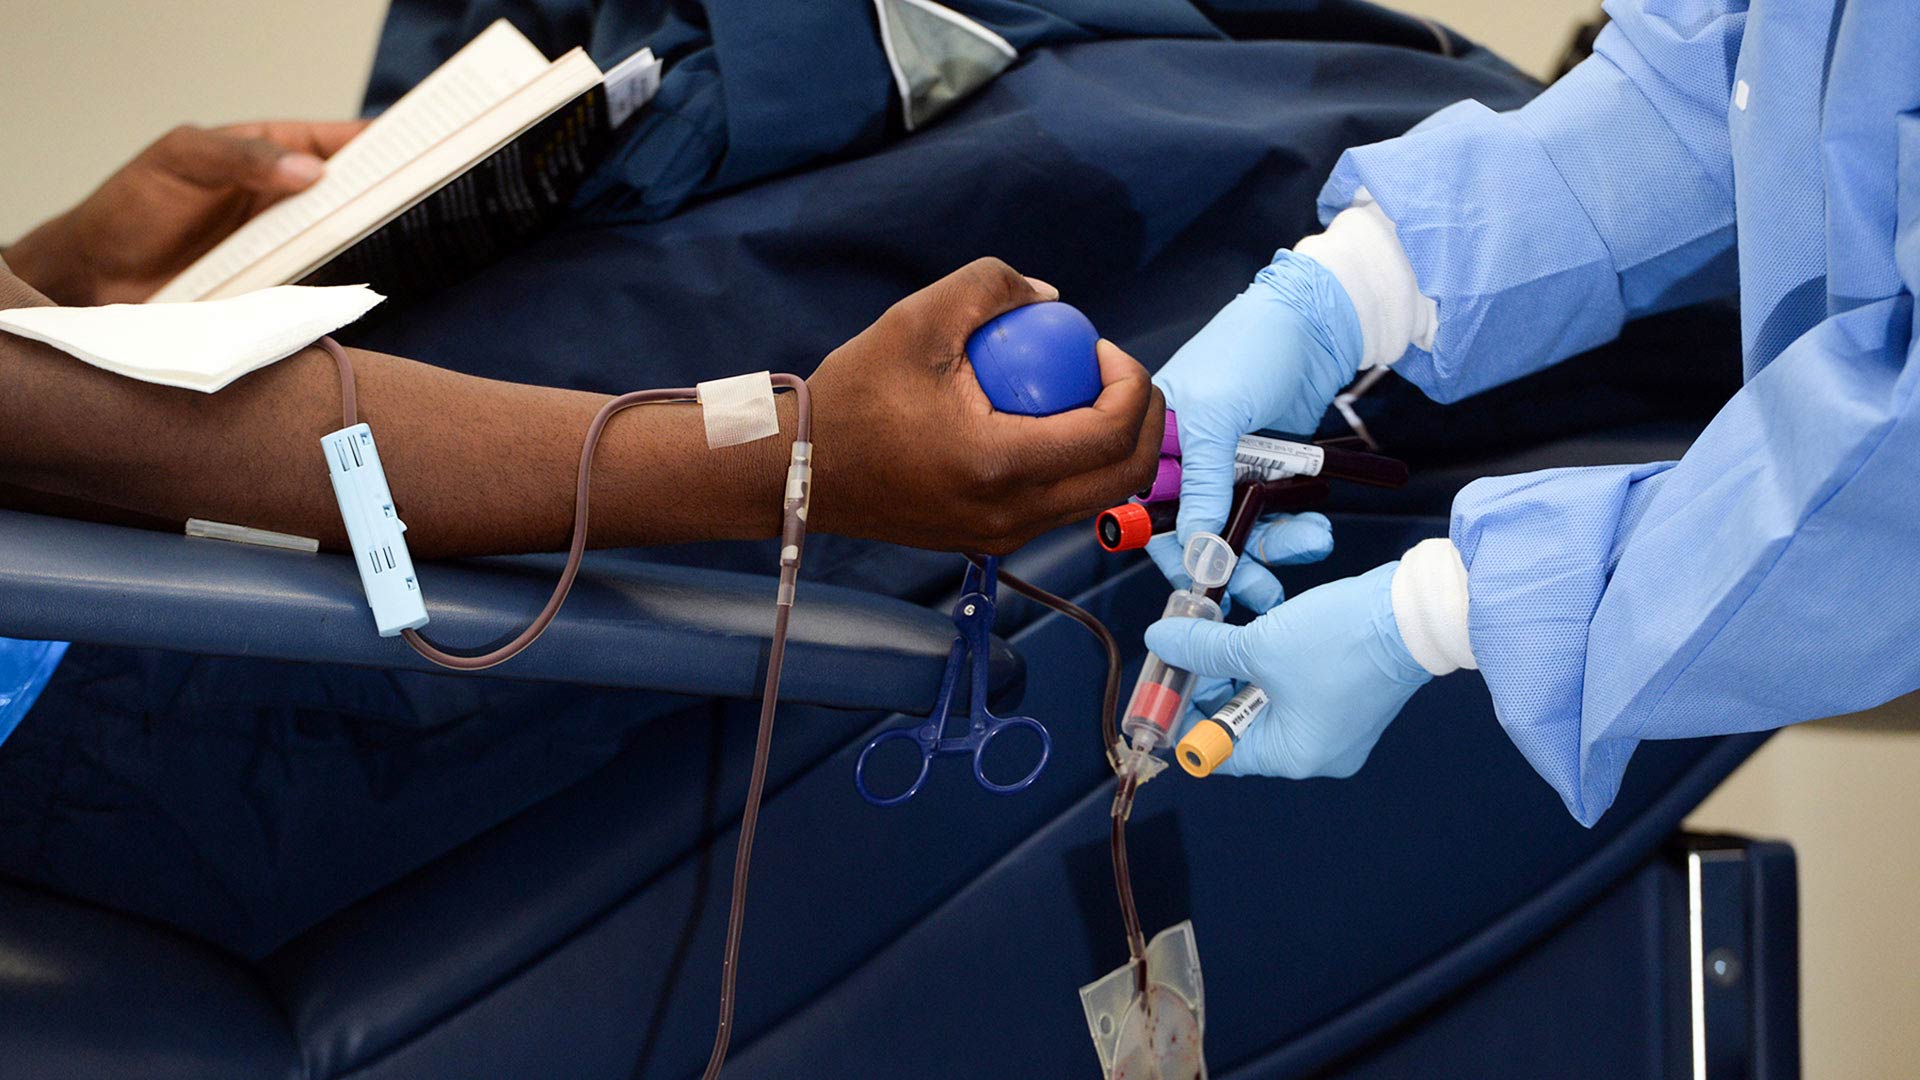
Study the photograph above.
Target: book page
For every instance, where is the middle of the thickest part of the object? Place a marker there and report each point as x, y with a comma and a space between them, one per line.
487, 71
390, 196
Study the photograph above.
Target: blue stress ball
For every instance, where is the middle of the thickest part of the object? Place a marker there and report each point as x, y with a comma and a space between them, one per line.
1037, 360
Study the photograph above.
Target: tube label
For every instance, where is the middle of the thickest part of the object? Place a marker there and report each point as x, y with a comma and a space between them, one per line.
1238, 714
1273, 459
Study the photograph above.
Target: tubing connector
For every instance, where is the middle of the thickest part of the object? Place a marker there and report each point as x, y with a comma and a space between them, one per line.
793, 529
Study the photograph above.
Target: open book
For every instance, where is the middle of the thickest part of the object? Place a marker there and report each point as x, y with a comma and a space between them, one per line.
482, 153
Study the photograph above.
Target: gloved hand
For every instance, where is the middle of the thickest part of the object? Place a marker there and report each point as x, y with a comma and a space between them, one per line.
1283, 540
1274, 357
1333, 665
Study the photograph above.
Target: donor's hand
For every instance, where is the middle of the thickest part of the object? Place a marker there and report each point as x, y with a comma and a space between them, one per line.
170, 205
910, 450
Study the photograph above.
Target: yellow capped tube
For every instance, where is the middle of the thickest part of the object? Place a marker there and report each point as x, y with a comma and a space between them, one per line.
1211, 741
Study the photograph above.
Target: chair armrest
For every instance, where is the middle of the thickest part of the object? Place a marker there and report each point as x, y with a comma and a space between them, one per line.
626, 624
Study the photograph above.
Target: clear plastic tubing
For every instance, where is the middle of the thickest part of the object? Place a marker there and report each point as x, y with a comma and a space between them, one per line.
1160, 695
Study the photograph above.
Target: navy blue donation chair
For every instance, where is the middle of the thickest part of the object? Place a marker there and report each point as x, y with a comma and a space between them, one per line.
1439, 914
241, 836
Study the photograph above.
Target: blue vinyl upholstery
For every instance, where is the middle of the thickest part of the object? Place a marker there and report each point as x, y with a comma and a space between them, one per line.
578, 937
682, 630
90, 993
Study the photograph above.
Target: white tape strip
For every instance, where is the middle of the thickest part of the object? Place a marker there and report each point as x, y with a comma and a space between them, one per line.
739, 409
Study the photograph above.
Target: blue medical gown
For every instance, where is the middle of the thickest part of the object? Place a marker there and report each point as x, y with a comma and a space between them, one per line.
1769, 576
25, 667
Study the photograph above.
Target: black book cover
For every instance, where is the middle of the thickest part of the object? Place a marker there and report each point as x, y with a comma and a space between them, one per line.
484, 212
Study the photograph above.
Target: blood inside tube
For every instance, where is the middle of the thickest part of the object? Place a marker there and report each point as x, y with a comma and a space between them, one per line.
1156, 704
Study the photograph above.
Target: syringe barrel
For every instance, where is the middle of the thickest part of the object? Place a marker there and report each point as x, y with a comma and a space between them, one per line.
1160, 694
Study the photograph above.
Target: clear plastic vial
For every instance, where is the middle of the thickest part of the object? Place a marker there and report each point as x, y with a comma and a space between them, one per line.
1160, 695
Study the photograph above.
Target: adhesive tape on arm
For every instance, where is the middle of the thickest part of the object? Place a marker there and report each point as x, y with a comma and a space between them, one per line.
739, 409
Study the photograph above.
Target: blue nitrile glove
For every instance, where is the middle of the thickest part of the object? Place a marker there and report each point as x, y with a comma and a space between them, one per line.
1274, 357
1331, 661
1283, 540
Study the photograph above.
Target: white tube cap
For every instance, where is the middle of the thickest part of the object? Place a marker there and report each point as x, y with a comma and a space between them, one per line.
1209, 561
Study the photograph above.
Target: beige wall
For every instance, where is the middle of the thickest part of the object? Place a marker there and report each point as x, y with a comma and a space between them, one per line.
1529, 33
1847, 794
90, 81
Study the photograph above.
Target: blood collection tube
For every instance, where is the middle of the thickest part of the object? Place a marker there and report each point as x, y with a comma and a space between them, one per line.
1266, 457
1269, 459
1211, 741
1130, 525
1161, 693
1165, 484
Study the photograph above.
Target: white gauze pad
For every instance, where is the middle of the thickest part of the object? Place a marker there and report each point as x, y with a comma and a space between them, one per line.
198, 346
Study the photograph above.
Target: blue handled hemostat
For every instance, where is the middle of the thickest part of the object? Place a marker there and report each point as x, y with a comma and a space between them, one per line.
1034, 360
973, 619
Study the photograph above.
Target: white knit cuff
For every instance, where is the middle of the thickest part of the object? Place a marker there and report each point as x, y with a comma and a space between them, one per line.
1362, 250
1430, 605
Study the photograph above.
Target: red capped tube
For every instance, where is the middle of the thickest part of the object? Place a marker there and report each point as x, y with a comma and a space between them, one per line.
1130, 525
